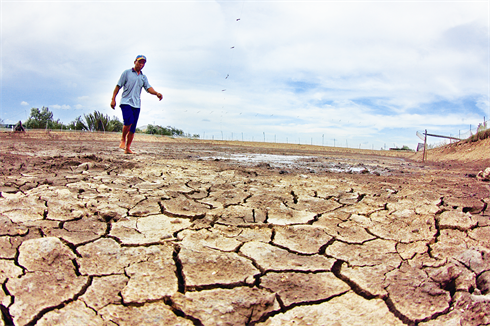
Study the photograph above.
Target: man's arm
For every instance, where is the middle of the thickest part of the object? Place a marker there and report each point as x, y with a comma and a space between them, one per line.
154, 92
113, 102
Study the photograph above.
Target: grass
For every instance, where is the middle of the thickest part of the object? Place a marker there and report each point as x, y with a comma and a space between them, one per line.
484, 134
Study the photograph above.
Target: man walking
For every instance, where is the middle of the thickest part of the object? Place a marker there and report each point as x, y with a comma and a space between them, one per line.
132, 81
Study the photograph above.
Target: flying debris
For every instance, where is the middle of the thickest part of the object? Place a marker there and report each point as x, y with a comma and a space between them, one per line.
230, 54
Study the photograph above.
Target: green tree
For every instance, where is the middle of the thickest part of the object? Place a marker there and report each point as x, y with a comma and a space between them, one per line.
175, 131
96, 121
42, 119
77, 124
152, 130
168, 131
115, 124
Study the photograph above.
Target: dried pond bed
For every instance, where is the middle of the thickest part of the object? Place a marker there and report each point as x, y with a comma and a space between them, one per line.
187, 233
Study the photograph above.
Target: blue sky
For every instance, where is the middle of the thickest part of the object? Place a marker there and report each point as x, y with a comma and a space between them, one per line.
368, 74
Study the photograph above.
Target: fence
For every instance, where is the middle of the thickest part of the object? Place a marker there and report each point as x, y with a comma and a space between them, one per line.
467, 134
448, 139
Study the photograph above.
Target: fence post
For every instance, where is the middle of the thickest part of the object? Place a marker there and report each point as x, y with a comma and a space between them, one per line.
425, 145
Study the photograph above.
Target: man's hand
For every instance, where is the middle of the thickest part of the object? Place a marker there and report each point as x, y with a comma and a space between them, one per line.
113, 102
154, 92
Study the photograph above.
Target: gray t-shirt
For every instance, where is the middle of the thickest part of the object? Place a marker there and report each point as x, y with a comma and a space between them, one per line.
132, 83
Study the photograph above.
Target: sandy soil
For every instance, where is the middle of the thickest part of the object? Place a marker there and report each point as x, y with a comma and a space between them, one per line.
191, 232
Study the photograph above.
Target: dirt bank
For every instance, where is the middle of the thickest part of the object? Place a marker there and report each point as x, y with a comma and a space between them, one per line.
475, 154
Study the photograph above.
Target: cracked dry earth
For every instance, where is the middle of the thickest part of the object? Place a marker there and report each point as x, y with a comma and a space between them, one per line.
90, 236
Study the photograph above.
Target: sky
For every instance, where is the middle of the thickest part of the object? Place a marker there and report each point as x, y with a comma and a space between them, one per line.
360, 74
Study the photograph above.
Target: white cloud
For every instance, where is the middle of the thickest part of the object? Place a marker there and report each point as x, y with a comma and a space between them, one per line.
357, 69
60, 107
24, 103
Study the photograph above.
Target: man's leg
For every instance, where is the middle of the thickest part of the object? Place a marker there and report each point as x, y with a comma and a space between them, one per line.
128, 121
125, 132
132, 130
129, 140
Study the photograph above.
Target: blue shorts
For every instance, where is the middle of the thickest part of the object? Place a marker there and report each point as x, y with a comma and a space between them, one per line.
130, 116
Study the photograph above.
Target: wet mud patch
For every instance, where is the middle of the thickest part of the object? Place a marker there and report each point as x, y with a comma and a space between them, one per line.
283, 163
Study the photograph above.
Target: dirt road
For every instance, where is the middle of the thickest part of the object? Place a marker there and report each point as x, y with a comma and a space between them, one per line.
221, 233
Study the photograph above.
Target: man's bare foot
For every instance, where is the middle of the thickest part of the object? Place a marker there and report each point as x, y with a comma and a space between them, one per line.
128, 151
122, 144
